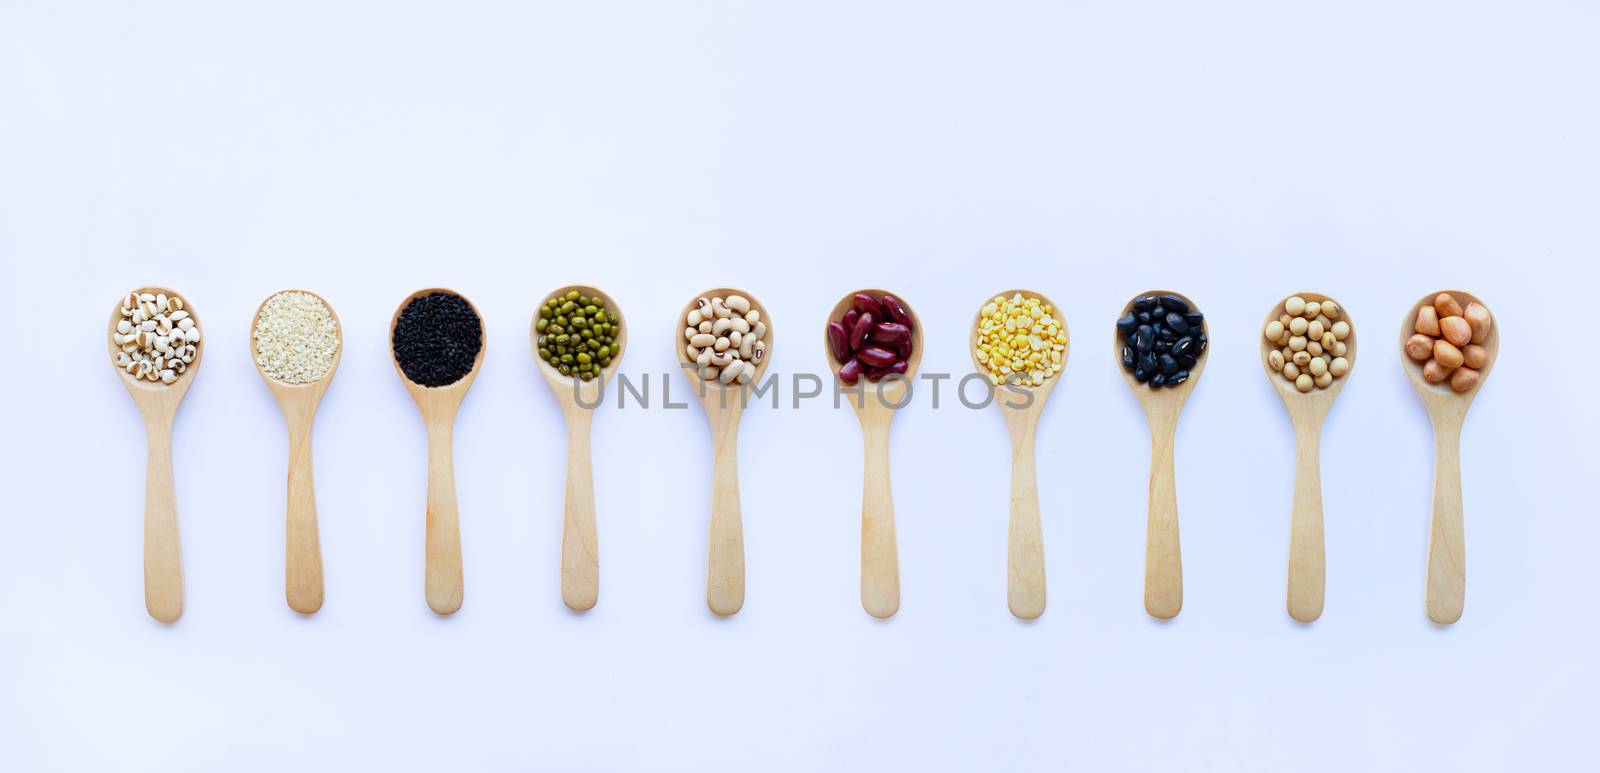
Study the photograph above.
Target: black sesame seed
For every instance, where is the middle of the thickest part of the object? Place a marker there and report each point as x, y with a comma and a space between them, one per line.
437, 339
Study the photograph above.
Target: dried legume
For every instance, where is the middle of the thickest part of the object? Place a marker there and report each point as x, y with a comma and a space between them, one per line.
873, 338
1163, 339
1448, 342
725, 338
578, 334
1316, 358
1020, 340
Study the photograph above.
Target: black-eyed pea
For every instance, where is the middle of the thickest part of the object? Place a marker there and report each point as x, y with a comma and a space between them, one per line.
722, 344
702, 340
1298, 326
704, 326
721, 327
734, 339
731, 371
738, 303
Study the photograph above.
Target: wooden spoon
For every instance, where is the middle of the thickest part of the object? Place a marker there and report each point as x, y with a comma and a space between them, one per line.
724, 406
158, 404
1307, 410
302, 549
1447, 552
1025, 584
1163, 561
442, 583
875, 408
580, 547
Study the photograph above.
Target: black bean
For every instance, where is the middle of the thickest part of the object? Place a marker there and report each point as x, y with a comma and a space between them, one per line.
437, 339
1177, 323
1167, 365
1144, 303
1158, 311
1127, 325
1147, 362
1178, 378
1183, 346
1174, 304
1141, 375
1194, 318
1143, 338
1157, 381
1143, 317
1127, 357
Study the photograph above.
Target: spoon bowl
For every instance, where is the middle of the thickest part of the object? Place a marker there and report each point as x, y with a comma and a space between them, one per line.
880, 561
158, 405
1307, 411
442, 585
580, 542
298, 402
1021, 406
1163, 572
724, 405
1447, 410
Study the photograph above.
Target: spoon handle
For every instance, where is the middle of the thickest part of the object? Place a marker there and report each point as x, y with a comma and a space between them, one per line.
442, 583
725, 554
163, 562
303, 548
1163, 562
580, 544
1447, 552
1025, 584
880, 560
1307, 557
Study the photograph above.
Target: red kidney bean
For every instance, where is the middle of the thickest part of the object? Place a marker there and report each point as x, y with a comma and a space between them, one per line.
896, 310
839, 340
849, 320
867, 304
851, 372
899, 366
858, 334
890, 333
876, 356
904, 349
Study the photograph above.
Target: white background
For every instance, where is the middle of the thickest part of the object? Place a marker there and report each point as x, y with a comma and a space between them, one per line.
1375, 151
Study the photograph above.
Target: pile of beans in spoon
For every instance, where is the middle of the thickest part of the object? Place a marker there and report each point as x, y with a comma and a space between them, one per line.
1162, 339
872, 339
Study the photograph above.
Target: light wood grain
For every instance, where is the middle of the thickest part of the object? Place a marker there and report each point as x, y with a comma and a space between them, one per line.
302, 546
443, 585
158, 405
1163, 560
1307, 411
1447, 552
876, 404
724, 405
1021, 407
580, 542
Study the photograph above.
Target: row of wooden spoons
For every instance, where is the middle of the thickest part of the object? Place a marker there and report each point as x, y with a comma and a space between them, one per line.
724, 404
